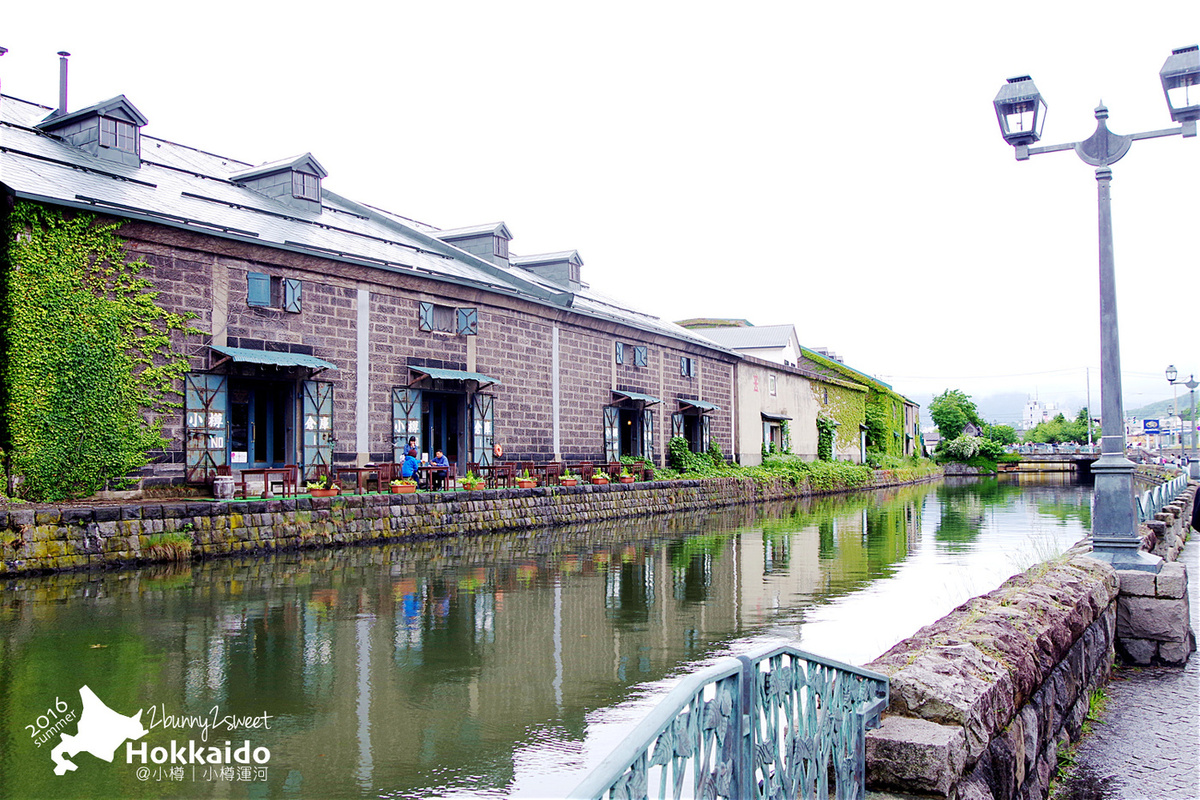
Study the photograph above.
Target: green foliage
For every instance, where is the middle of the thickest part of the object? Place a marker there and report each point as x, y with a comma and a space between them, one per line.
88, 357
877, 422
951, 411
826, 428
786, 429
1060, 430
1002, 434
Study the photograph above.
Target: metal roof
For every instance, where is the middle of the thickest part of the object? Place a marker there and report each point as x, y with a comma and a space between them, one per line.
186, 188
644, 398
700, 404
273, 357
455, 375
751, 337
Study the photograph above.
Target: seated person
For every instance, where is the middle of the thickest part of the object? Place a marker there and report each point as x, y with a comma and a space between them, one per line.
409, 468
437, 478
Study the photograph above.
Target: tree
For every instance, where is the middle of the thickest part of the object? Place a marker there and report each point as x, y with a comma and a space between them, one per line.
951, 411
1001, 434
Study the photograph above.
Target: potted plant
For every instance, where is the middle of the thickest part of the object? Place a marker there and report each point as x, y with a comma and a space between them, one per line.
322, 486
526, 481
625, 477
568, 478
403, 486
472, 483
599, 478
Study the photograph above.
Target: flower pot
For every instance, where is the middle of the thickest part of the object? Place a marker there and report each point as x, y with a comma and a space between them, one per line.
473, 487
626, 479
404, 488
523, 483
599, 480
569, 481
322, 492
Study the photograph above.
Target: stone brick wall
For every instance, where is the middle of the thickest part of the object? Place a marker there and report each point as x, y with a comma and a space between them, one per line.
40, 539
982, 699
207, 276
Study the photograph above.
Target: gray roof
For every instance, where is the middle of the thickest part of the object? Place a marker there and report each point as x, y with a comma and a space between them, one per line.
752, 337
179, 186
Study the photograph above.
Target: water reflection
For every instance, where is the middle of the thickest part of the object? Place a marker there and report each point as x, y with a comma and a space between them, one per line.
475, 666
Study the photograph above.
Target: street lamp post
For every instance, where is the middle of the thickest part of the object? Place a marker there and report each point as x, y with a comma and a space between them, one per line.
1021, 112
1193, 461
1172, 373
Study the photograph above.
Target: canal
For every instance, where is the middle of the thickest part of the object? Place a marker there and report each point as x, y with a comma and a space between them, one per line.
489, 666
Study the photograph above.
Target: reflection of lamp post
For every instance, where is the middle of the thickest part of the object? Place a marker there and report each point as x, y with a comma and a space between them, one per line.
1021, 112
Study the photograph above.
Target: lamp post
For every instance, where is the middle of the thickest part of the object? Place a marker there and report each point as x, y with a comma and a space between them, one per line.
1021, 112
1191, 384
1171, 375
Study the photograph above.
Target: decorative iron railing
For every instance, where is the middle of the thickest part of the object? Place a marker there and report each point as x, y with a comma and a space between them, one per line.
1151, 502
776, 723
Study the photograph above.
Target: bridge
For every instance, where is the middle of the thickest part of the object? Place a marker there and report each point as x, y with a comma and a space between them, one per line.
1050, 458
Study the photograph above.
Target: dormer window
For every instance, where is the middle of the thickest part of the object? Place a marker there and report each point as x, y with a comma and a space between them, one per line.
295, 182
110, 130
119, 134
306, 186
488, 241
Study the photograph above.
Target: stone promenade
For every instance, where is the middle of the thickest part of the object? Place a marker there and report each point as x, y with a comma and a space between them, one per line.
1145, 744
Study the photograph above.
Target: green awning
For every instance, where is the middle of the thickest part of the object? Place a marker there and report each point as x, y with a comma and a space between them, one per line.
454, 375
775, 417
685, 403
641, 398
272, 358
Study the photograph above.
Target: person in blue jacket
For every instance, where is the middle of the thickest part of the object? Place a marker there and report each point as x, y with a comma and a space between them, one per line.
409, 468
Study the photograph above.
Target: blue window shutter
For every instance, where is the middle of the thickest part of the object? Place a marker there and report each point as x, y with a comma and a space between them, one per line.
291, 295
258, 289
640, 356
426, 316
620, 352
468, 322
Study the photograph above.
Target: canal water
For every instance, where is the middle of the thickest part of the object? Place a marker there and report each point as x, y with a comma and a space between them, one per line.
490, 666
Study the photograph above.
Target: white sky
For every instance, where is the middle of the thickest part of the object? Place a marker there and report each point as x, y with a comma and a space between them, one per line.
836, 166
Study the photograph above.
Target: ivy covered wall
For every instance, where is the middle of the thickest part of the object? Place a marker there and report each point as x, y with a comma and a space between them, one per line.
881, 409
87, 360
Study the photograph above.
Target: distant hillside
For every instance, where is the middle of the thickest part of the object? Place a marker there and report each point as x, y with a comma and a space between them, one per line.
1163, 408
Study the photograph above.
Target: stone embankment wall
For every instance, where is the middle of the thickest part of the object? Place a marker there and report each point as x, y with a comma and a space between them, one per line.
40, 539
982, 700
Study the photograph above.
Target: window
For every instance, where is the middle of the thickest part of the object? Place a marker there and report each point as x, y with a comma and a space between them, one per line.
641, 356
448, 319
500, 246
265, 291
687, 367
306, 185
118, 134
771, 384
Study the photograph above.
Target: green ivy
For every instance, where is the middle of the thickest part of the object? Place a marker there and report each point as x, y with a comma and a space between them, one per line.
88, 363
826, 429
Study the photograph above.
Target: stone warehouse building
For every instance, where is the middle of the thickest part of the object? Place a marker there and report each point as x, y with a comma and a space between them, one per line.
332, 331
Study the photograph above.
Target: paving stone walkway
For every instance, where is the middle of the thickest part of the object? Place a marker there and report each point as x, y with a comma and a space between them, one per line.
1147, 742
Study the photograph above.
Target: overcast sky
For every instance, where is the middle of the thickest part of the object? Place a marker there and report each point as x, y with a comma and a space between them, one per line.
836, 166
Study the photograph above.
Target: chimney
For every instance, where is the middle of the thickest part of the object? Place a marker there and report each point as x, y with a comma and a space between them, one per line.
62, 82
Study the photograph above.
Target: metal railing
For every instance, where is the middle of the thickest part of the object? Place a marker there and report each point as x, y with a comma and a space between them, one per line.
776, 723
1155, 500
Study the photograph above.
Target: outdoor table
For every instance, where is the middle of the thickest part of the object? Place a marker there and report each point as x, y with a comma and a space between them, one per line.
359, 472
287, 476
426, 472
